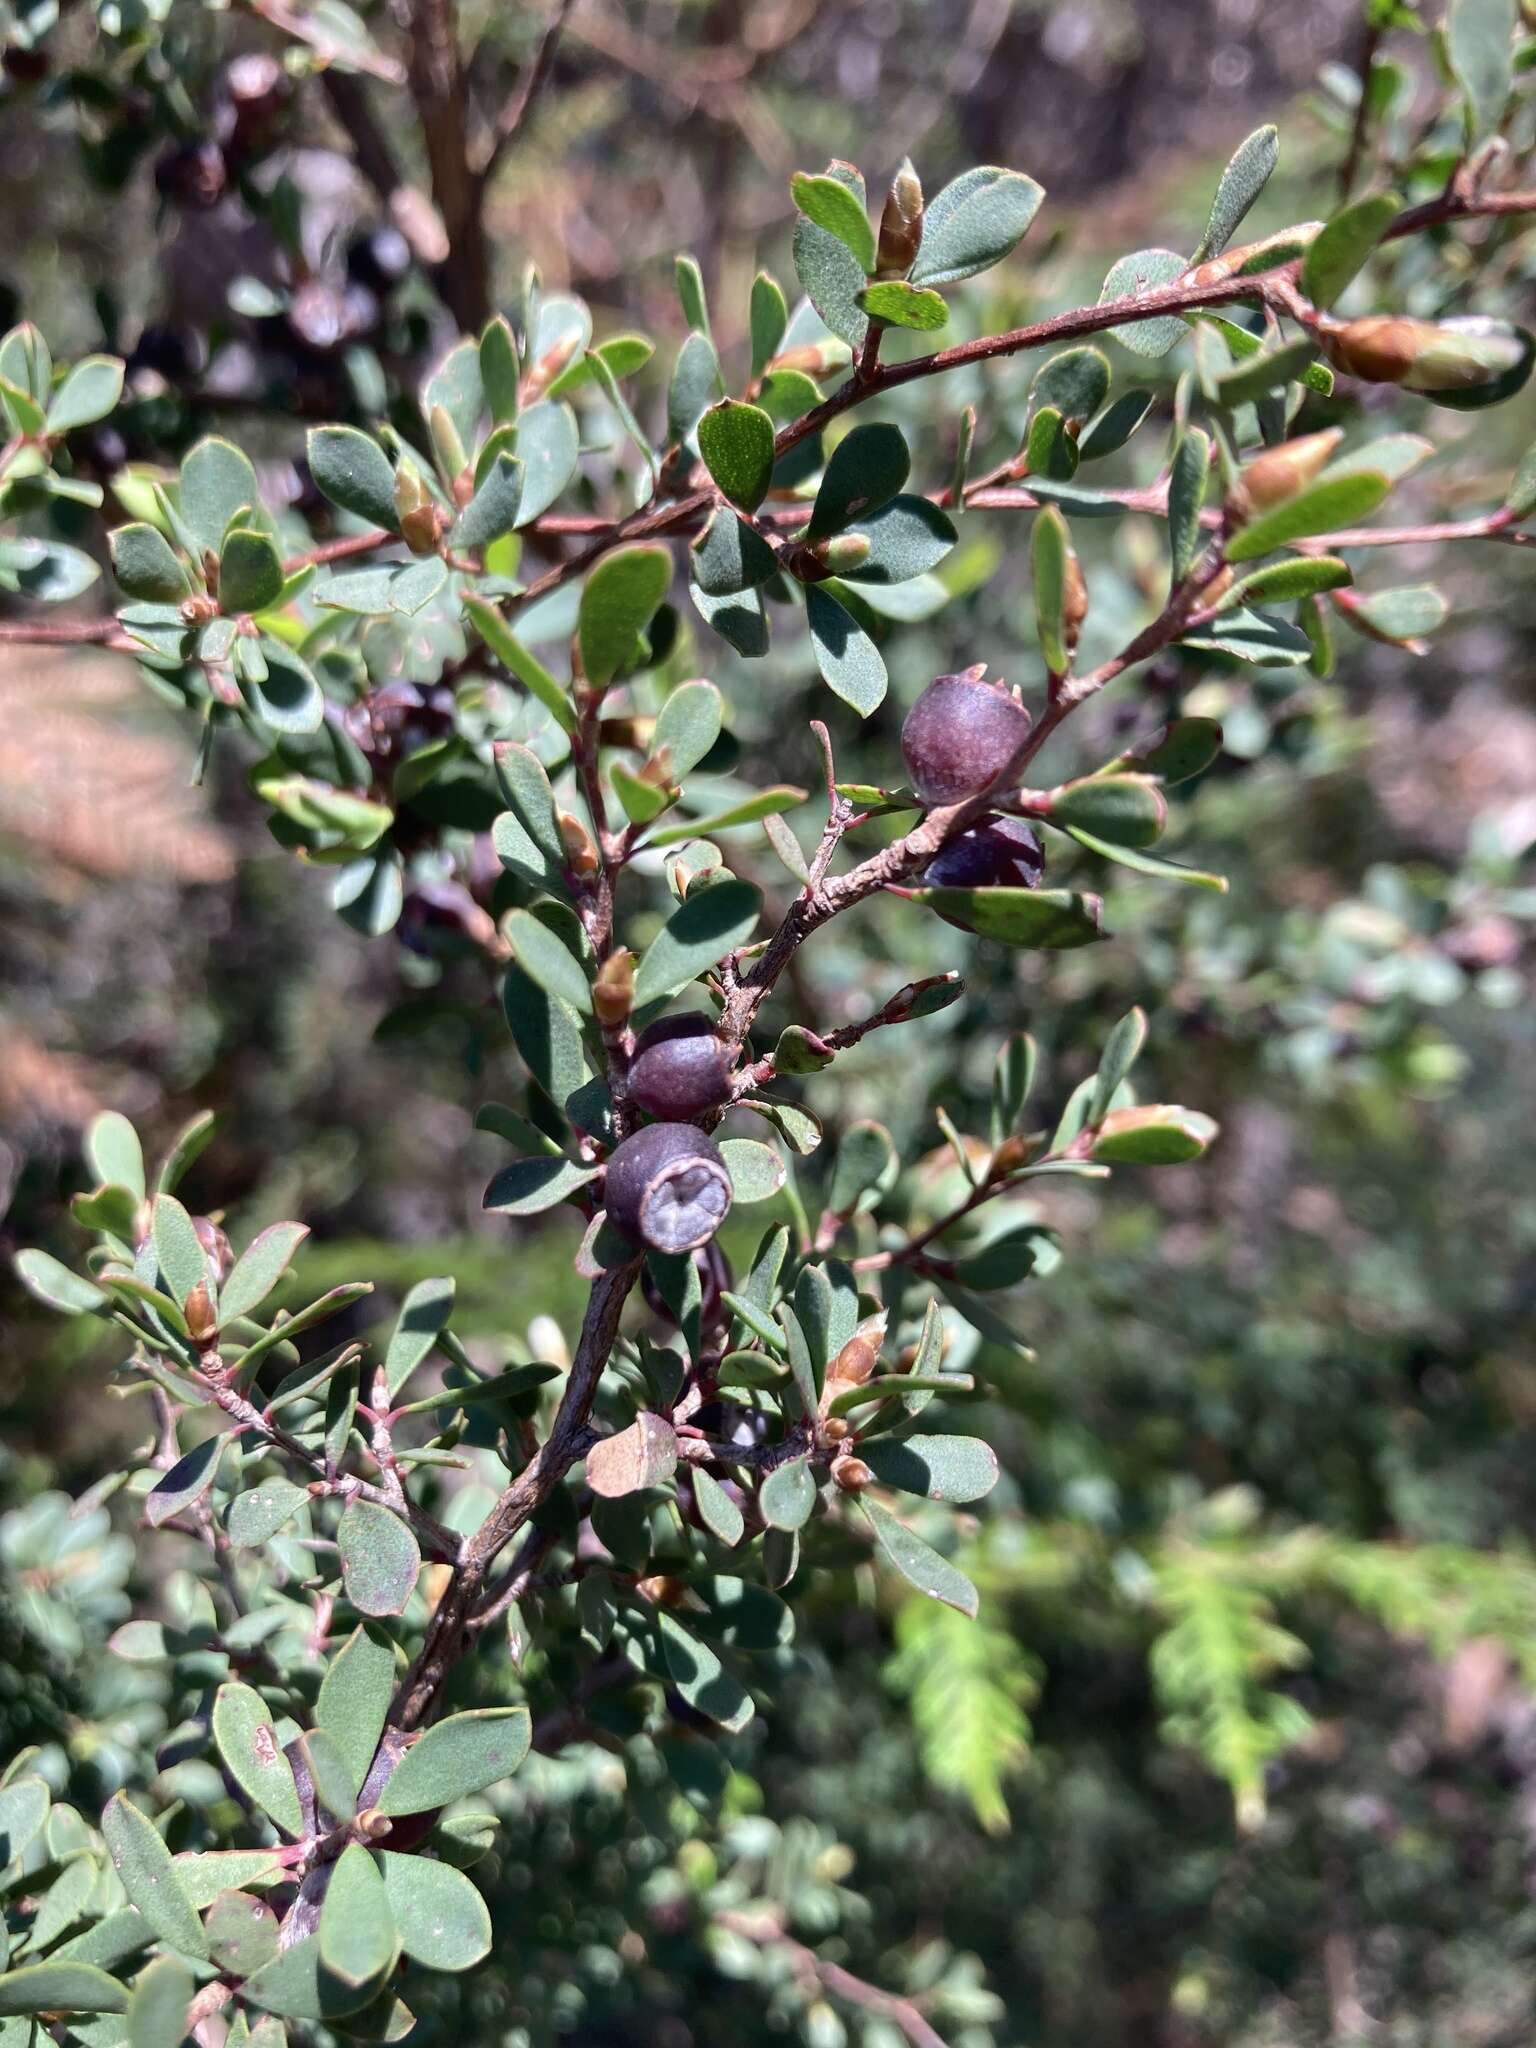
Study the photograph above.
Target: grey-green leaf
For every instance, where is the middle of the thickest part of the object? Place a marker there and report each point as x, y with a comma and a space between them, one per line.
788, 1495
953, 1468
423, 1317
866, 469
974, 222
1340, 250
146, 566
1132, 277
380, 1559
457, 1757
919, 1563
848, 660
710, 924
1252, 164
259, 1268
354, 1698
357, 1929
143, 1862
247, 1741
442, 1921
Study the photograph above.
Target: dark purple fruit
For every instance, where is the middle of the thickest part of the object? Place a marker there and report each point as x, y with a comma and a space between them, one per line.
667, 1187
960, 737
681, 1067
994, 853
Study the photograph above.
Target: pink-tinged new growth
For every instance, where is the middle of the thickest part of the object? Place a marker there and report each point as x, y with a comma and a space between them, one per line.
961, 736
681, 1068
994, 853
668, 1187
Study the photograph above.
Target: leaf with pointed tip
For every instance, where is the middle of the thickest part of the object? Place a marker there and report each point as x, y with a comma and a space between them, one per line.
974, 222
330, 1768
919, 1563
696, 385
895, 303
865, 470
143, 1862
259, 1268
457, 1757
832, 205
494, 508
1252, 164
769, 316
1340, 250
423, 1317
831, 276
1188, 480
187, 1481
529, 1186
1331, 502
752, 810
380, 1558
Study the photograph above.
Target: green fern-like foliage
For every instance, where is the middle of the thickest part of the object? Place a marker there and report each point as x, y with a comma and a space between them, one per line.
970, 1686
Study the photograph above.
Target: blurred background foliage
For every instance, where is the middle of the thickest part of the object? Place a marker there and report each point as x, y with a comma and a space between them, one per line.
1268, 1420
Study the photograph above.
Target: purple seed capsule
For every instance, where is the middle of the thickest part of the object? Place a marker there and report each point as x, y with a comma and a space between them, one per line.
668, 1187
994, 853
681, 1067
960, 737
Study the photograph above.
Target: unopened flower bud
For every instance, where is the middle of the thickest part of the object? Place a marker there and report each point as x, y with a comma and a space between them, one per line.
1008, 1157
836, 1428
816, 358
1454, 359
418, 514
660, 1591
548, 367
613, 991
901, 224
852, 1474
854, 1363
1279, 473
1074, 601
580, 852
1253, 257
217, 1248
202, 1323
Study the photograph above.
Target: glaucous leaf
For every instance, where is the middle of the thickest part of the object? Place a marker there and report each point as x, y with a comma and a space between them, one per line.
618, 602
918, 1562
380, 1558
1246, 175
707, 926
462, 1755
259, 1268
788, 1495
1341, 249
974, 222
148, 1875
866, 469
953, 1468
1132, 277
548, 447
848, 660
248, 1744
442, 1921
357, 1930
354, 1698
